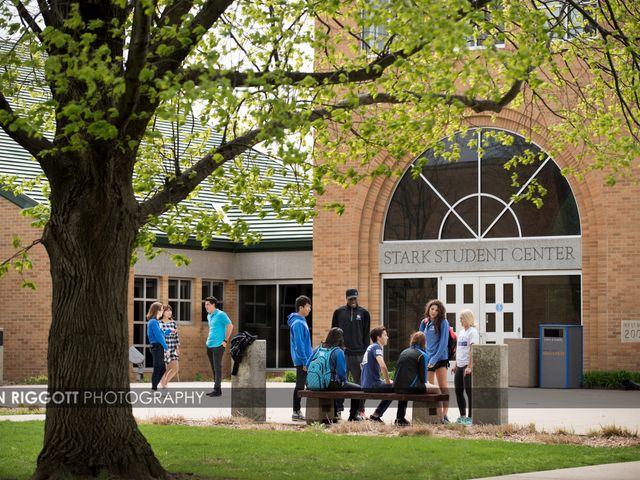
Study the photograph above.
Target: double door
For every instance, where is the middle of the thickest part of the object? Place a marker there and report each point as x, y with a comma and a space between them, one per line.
494, 301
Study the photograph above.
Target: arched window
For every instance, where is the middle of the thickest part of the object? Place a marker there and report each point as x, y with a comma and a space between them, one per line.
473, 196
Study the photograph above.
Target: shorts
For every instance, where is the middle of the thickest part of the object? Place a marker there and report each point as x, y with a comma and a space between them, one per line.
440, 364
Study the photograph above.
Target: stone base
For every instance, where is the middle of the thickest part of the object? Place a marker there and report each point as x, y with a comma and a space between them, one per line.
424, 413
319, 410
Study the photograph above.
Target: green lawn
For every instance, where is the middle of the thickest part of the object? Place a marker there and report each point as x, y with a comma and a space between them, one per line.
260, 454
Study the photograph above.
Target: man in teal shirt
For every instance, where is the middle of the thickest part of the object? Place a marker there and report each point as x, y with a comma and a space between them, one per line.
220, 328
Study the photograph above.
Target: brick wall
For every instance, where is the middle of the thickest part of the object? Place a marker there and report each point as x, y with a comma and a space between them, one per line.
345, 251
26, 314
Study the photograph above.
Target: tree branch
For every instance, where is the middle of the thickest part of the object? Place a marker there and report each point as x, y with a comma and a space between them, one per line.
372, 71
27, 139
136, 60
203, 21
179, 188
28, 19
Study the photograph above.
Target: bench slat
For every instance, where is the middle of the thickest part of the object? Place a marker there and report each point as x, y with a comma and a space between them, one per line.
360, 395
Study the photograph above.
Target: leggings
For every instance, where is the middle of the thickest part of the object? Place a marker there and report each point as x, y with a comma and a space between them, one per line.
463, 384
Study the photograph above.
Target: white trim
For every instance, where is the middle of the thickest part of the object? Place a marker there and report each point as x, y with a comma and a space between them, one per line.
448, 205
479, 129
480, 195
559, 237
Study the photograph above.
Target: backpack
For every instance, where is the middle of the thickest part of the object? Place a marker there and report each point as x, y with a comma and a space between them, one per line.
319, 370
453, 344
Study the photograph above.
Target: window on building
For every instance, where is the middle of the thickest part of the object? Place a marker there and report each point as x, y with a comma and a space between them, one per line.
565, 20
264, 310
485, 29
473, 196
145, 292
550, 299
180, 299
212, 288
404, 302
374, 33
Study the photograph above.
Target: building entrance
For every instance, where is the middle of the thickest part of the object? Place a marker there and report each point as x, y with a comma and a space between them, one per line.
494, 300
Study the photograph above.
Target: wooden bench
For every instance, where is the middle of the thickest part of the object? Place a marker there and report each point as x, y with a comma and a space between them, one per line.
320, 403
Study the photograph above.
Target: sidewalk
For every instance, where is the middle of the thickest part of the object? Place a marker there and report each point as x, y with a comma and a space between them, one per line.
574, 411
618, 471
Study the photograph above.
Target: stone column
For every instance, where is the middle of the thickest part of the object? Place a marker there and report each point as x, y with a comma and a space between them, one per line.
249, 386
1, 356
523, 361
489, 384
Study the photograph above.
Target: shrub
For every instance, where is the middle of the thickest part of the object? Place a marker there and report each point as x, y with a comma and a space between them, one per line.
608, 379
290, 377
36, 380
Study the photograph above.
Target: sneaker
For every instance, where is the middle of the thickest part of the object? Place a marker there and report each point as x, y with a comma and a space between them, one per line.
402, 422
468, 421
297, 416
446, 421
355, 418
461, 420
375, 418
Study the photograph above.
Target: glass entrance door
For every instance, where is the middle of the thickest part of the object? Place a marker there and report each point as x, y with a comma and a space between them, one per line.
494, 301
457, 294
500, 309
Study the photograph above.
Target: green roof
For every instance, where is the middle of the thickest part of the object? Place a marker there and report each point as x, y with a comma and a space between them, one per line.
275, 233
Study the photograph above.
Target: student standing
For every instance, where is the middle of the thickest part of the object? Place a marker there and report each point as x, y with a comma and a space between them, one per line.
464, 364
173, 343
220, 328
436, 329
355, 322
157, 342
373, 366
301, 351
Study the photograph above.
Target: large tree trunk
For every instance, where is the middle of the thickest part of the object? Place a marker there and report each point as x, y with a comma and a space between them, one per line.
89, 239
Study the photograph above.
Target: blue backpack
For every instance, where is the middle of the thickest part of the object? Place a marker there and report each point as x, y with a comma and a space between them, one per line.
319, 370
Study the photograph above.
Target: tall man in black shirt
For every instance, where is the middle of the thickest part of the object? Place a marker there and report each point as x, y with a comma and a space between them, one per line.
355, 322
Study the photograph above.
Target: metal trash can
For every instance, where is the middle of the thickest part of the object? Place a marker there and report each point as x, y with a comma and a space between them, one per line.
560, 356
137, 359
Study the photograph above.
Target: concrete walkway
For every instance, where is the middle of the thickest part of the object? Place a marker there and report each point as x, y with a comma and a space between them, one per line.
574, 411
617, 471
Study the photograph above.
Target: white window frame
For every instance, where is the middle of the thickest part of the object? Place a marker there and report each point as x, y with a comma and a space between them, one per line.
176, 303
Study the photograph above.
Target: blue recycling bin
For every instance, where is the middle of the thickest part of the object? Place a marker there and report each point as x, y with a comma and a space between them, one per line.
560, 356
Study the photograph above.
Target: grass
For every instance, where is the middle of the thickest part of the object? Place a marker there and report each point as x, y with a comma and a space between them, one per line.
264, 454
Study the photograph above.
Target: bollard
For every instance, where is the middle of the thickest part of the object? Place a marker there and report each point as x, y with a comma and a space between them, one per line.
1, 355
249, 386
523, 361
490, 383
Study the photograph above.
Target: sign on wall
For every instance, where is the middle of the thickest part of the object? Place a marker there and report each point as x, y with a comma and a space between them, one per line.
479, 256
630, 331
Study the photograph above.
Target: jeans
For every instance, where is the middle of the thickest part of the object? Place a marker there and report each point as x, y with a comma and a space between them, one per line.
346, 387
402, 404
381, 387
301, 380
353, 367
463, 384
158, 365
215, 360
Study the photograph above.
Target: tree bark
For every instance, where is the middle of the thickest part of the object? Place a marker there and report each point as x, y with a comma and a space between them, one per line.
89, 239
